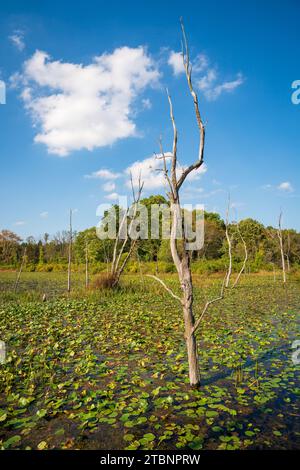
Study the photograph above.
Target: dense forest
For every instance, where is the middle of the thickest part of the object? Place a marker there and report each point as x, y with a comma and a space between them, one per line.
51, 253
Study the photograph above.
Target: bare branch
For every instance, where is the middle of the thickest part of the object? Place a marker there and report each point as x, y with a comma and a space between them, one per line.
200, 124
20, 270
116, 271
174, 148
165, 286
279, 234
220, 297
165, 169
229, 244
245, 259
114, 260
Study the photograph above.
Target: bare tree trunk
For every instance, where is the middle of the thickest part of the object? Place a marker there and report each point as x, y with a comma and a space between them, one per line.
185, 277
20, 270
288, 252
189, 324
245, 259
182, 263
117, 268
182, 260
192, 350
70, 253
229, 246
279, 234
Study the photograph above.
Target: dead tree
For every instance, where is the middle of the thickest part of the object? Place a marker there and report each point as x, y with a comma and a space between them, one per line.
280, 237
245, 258
182, 260
118, 265
20, 270
70, 253
229, 242
288, 253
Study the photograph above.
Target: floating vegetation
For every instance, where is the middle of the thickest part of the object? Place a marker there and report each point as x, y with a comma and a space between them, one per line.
110, 371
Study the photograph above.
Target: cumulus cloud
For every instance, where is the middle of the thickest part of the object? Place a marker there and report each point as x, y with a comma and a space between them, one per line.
103, 174
112, 196
175, 60
151, 174
19, 223
212, 90
17, 39
77, 106
285, 186
206, 77
44, 215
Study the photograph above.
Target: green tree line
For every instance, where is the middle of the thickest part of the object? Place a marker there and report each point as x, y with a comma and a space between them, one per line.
51, 253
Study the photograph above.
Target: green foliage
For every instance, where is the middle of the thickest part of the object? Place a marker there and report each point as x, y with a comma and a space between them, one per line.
51, 254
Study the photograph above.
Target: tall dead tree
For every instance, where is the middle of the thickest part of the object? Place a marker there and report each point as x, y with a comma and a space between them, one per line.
70, 252
245, 257
288, 253
181, 257
20, 270
229, 242
280, 238
118, 262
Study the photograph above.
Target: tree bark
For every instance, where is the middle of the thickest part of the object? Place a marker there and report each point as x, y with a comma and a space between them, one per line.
20, 270
116, 269
185, 276
245, 259
189, 323
229, 246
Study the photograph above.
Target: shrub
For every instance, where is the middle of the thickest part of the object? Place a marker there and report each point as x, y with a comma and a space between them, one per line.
104, 281
98, 268
45, 268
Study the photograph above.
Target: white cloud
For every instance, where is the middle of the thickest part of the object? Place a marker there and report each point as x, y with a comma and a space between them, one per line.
285, 186
109, 186
112, 196
206, 82
151, 174
17, 39
103, 174
200, 63
212, 90
206, 77
20, 222
44, 215
79, 106
176, 62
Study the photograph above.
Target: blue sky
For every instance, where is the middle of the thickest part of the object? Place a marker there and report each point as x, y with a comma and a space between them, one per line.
69, 116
